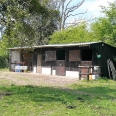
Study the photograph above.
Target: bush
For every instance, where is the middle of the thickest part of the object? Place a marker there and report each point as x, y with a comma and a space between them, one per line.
4, 62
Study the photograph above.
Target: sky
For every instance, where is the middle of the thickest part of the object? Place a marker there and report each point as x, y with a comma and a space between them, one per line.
92, 6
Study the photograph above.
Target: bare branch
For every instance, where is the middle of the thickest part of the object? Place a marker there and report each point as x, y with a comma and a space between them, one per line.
66, 10
68, 4
78, 5
76, 14
78, 21
71, 9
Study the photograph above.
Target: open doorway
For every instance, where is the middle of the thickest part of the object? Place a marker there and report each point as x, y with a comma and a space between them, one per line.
60, 54
60, 64
86, 54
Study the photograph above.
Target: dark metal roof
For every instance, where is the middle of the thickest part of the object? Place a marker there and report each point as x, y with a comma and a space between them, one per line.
57, 45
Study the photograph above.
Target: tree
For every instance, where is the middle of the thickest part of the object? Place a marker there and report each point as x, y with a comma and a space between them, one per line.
26, 22
14, 18
104, 28
66, 10
45, 27
110, 13
74, 34
101, 30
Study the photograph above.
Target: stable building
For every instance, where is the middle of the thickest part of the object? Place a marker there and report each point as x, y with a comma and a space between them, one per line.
76, 60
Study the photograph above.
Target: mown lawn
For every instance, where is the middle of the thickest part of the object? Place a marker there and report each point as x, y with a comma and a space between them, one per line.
93, 98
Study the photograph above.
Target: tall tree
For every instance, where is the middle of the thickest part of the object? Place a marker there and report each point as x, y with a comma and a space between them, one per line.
26, 22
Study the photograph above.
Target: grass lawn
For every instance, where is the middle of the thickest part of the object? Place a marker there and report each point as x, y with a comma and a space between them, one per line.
4, 69
93, 98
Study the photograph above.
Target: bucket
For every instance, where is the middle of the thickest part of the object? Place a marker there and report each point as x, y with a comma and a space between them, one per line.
18, 70
96, 68
90, 77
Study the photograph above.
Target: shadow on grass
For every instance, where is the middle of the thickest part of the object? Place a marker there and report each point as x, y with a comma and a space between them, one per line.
82, 99
50, 94
104, 91
37, 94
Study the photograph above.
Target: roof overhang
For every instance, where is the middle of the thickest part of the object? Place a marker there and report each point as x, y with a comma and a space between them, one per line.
55, 46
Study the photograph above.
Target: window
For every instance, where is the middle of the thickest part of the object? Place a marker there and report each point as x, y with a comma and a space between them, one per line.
86, 54
61, 55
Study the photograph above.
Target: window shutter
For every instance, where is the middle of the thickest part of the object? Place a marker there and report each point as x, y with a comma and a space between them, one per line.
50, 55
74, 55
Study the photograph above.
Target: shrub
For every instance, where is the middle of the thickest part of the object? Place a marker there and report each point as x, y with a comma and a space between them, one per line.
4, 62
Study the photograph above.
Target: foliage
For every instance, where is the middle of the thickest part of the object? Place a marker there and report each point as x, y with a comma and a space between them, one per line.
72, 35
27, 22
45, 27
110, 11
3, 61
104, 28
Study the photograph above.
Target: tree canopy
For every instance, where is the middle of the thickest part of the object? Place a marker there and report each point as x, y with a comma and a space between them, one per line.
27, 22
73, 34
104, 28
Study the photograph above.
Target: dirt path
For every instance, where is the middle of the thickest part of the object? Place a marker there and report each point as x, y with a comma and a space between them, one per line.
37, 79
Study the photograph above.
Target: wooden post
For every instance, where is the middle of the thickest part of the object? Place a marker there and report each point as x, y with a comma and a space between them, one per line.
88, 74
10, 69
39, 64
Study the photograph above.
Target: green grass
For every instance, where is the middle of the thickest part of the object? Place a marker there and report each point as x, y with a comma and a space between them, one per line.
92, 98
4, 69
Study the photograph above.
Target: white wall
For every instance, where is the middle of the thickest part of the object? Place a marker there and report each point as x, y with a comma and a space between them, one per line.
34, 69
15, 57
72, 74
53, 72
46, 70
